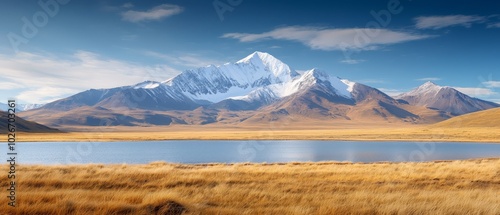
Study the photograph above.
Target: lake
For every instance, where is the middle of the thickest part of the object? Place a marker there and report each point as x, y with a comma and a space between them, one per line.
198, 151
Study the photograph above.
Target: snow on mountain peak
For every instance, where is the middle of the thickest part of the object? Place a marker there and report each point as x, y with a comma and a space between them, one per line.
427, 89
257, 56
350, 84
316, 73
257, 76
147, 85
271, 64
342, 87
429, 86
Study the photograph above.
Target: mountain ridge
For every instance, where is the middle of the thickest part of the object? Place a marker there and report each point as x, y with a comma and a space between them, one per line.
256, 89
444, 98
23, 125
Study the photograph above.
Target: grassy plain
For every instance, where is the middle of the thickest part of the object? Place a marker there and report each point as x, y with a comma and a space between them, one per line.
440, 187
402, 133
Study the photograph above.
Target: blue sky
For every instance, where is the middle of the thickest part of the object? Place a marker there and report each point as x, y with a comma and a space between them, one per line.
50, 49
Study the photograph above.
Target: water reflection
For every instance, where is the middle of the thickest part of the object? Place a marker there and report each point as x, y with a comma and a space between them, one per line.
246, 151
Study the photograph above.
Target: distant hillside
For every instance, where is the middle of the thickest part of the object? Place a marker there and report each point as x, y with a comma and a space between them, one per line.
24, 125
446, 99
486, 118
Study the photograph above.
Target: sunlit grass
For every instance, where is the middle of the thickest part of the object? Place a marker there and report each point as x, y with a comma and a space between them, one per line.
457, 187
417, 133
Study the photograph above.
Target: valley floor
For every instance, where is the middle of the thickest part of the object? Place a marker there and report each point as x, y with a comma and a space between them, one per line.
441, 187
369, 133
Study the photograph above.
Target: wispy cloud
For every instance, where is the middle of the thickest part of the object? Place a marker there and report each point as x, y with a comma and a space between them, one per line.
45, 94
44, 78
129, 37
476, 91
492, 84
371, 81
438, 22
331, 39
494, 25
10, 86
429, 79
391, 92
128, 5
495, 100
351, 61
186, 60
156, 13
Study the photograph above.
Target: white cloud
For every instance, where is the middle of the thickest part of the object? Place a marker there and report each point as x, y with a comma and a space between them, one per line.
476, 91
391, 92
45, 78
495, 100
128, 5
429, 79
352, 61
156, 13
371, 81
45, 94
10, 86
492, 83
331, 39
186, 60
494, 25
438, 22
129, 37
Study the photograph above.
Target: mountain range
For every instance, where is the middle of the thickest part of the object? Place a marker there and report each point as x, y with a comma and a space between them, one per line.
254, 90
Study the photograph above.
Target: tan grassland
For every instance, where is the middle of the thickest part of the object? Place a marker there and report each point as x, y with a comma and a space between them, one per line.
440, 187
402, 133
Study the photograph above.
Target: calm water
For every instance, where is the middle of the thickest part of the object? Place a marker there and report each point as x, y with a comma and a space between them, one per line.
244, 151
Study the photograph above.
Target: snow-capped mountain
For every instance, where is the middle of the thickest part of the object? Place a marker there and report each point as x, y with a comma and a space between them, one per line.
445, 99
213, 84
257, 88
312, 77
422, 95
256, 80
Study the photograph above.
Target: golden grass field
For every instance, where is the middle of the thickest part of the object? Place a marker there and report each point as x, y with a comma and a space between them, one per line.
408, 133
441, 187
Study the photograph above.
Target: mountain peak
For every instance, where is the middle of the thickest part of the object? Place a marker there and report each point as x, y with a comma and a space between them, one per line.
266, 60
316, 73
429, 84
429, 88
262, 56
147, 85
444, 98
